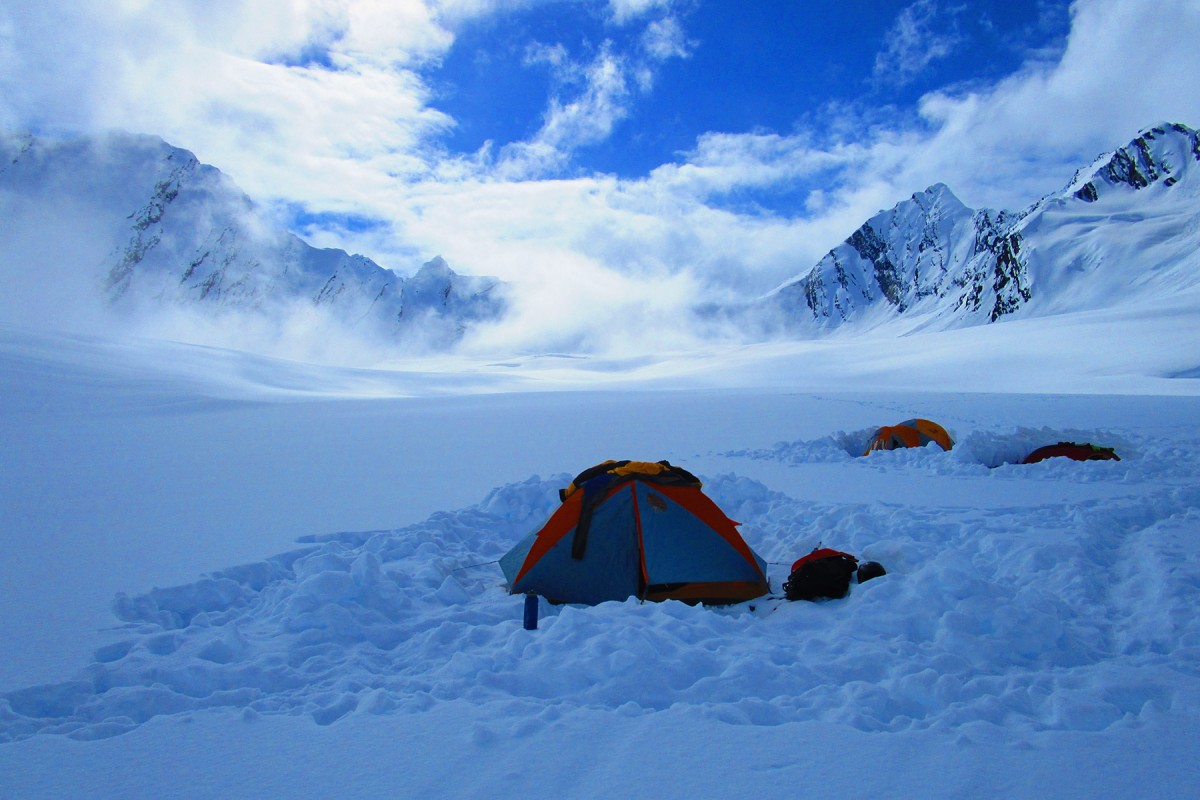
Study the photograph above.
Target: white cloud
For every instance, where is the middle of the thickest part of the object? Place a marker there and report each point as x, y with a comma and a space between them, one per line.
664, 39
598, 95
1003, 145
229, 86
913, 43
361, 135
586, 119
454, 12
1127, 65
725, 162
625, 11
553, 55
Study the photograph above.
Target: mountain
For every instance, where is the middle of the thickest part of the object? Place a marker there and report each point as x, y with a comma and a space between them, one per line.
160, 228
1125, 228
148, 227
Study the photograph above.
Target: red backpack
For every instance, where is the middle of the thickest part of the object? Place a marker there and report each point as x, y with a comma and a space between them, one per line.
823, 573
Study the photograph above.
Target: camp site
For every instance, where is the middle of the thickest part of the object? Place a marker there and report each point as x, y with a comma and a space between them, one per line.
599, 400
1029, 616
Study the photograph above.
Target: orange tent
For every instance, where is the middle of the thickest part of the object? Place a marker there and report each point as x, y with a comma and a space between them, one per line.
910, 433
1076, 452
636, 529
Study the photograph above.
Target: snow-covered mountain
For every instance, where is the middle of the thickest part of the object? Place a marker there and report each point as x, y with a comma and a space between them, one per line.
161, 228
1124, 229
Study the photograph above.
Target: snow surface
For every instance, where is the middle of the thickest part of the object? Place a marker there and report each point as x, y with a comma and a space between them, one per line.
233, 577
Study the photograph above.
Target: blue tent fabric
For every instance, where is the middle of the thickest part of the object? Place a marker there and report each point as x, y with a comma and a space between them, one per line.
636, 537
680, 548
610, 567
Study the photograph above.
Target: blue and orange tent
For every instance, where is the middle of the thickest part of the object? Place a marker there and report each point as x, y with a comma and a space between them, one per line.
636, 529
910, 433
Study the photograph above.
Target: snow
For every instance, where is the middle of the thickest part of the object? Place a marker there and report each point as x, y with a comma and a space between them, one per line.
1122, 233
232, 576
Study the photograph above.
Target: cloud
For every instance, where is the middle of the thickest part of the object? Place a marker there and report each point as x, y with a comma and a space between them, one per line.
240, 88
586, 119
45, 240
1125, 66
664, 39
591, 97
1002, 145
328, 109
913, 44
625, 11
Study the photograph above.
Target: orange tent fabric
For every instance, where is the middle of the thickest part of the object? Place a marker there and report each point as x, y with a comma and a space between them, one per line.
910, 433
636, 529
1076, 452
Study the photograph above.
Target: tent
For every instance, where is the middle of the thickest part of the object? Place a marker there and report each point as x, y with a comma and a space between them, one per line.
1071, 450
910, 433
636, 529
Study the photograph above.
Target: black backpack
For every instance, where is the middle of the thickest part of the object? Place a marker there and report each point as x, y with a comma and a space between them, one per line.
823, 573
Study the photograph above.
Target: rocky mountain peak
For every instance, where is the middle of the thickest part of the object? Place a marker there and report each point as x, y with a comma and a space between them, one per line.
931, 258
168, 230
1159, 154
436, 269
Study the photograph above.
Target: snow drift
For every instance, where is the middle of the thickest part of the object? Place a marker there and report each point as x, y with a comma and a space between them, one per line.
1033, 618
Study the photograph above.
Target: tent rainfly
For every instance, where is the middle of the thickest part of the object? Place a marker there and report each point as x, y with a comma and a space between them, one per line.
636, 529
1074, 451
910, 433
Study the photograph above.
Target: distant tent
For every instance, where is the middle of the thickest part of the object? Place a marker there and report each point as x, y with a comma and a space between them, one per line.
636, 529
1077, 452
910, 433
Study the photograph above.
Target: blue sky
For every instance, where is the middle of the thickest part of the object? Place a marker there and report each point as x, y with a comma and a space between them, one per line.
734, 67
632, 155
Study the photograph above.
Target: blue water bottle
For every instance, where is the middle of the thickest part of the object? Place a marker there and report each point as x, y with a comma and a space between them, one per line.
531, 611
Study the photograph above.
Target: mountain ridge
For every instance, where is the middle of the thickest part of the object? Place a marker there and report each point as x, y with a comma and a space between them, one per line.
183, 234
931, 256
166, 231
